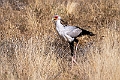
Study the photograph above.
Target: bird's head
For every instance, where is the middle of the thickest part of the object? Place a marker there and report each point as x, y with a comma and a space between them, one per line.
56, 17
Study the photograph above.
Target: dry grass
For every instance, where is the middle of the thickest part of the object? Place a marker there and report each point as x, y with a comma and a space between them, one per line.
30, 48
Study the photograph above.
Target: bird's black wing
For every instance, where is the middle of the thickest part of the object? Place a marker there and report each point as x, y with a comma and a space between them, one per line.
85, 32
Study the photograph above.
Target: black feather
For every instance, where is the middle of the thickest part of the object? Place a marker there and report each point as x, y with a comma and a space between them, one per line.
85, 32
72, 47
76, 40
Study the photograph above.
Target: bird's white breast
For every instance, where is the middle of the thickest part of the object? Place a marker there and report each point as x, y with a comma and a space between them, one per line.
63, 31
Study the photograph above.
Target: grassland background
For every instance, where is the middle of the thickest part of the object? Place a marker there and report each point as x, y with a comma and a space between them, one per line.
31, 49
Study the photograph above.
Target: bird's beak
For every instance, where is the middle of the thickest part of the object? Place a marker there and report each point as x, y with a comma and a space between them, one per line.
54, 19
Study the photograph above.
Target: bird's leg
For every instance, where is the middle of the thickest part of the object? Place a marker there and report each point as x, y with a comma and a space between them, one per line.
72, 53
72, 61
76, 50
76, 47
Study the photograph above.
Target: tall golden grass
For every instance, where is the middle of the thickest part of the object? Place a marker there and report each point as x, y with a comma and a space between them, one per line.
31, 49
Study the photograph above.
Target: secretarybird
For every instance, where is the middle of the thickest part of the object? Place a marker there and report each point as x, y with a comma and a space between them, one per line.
70, 34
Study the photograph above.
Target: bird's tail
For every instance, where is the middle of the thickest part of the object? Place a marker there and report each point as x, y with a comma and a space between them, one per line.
85, 32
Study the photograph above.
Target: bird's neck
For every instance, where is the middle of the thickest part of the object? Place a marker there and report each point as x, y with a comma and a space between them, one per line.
59, 25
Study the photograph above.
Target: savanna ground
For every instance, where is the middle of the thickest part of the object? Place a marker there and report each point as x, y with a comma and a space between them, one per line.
31, 49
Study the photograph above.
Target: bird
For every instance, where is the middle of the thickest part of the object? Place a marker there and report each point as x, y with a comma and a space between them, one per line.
70, 34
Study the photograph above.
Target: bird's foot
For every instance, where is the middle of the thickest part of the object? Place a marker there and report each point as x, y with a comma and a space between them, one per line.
74, 61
